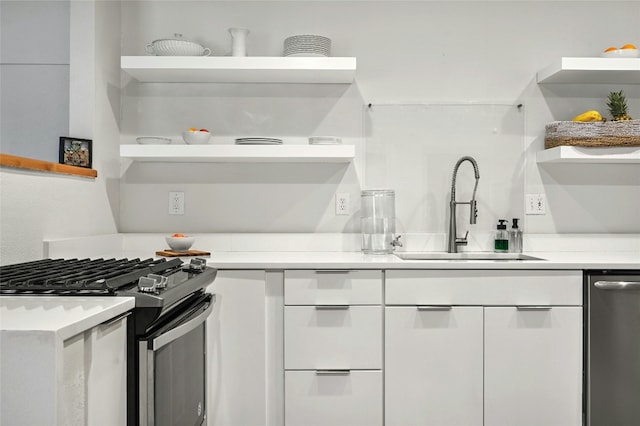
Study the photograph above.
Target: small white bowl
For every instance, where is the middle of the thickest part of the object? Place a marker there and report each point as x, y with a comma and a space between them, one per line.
621, 53
196, 138
180, 243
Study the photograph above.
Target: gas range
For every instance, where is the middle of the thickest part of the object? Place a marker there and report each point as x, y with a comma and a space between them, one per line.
158, 285
166, 327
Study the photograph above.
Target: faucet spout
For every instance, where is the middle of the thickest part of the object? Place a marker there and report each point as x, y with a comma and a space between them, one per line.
453, 240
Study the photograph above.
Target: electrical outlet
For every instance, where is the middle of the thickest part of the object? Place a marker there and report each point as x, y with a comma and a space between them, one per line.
176, 202
535, 204
342, 204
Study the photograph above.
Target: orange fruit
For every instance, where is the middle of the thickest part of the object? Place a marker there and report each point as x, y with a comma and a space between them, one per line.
178, 235
193, 129
628, 46
609, 49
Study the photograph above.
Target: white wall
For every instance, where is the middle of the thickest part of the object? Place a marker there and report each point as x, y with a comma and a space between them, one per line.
36, 206
408, 52
452, 52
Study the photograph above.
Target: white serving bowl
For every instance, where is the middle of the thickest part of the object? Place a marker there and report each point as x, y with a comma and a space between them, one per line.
180, 243
177, 46
196, 138
621, 53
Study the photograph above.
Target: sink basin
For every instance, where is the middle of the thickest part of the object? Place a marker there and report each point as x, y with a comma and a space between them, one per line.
464, 256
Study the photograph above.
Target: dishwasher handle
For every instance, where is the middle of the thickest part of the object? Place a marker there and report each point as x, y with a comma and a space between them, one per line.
617, 285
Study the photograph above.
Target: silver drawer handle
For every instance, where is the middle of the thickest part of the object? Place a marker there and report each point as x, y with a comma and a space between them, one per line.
333, 271
617, 285
331, 307
533, 308
333, 372
434, 307
107, 323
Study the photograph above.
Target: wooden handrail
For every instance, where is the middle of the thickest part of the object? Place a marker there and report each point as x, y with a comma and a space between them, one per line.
45, 166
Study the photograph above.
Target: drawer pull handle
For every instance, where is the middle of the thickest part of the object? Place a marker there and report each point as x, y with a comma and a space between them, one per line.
107, 323
333, 372
434, 307
617, 285
331, 307
533, 308
332, 271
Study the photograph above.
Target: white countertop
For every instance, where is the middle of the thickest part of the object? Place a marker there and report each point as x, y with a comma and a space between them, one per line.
63, 316
357, 260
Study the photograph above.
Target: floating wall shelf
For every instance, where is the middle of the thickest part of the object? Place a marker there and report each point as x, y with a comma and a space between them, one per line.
573, 154
592, 70
239, 153
231, 69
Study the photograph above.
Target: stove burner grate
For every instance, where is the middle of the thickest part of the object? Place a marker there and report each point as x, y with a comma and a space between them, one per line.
79, 276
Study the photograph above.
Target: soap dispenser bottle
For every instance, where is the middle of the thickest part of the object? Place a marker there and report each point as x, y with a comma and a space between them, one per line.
515, 237
501, 241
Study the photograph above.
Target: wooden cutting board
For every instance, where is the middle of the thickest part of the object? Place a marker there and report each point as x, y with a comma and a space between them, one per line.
171, 253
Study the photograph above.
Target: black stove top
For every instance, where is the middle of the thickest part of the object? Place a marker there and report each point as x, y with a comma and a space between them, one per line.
154, 283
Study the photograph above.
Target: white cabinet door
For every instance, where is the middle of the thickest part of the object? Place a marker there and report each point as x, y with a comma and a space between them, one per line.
333, 287
350, 398
533, 366
343, 338
433, 366
107, 375
245, 376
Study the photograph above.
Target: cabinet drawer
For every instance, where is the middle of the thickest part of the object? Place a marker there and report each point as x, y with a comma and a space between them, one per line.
350, 399
319, 338
333, 287
483, 287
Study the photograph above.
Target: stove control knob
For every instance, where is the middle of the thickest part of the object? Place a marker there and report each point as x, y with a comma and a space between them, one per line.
161, 280
147, 285
196, 265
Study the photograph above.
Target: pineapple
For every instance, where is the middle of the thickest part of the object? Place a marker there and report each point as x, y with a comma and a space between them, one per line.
617, 104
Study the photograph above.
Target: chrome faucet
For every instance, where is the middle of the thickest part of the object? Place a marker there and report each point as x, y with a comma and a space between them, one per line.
454, 241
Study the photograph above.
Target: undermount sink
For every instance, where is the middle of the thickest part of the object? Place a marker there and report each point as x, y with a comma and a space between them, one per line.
464, 256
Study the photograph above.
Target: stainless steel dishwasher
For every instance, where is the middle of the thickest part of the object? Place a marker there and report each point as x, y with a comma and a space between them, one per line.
613, 348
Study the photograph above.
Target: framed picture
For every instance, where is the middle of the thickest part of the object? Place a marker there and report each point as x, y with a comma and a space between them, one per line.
75, 152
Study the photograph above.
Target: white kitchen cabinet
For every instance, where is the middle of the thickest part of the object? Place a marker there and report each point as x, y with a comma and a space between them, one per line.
515, 358
57, 371
94, 376
245, 375
533, 366
351, 398
333, 347
106, 345
315, 337
333, 287
433, 365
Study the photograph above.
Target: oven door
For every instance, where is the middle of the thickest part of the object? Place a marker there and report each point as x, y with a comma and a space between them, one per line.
172, 363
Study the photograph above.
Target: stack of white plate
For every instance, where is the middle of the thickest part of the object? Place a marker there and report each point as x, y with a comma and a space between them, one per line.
258, 141
325, 140
307, 45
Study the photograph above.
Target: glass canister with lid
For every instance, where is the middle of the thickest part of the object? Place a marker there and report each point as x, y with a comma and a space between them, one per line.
378, 220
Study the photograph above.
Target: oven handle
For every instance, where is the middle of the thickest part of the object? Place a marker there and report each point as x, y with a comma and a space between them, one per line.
617, 285
176, 333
